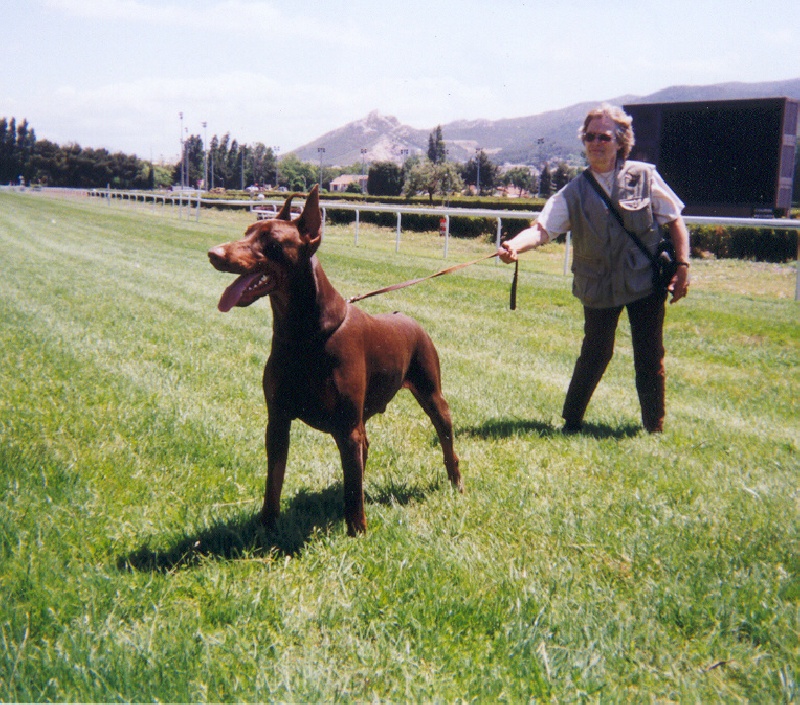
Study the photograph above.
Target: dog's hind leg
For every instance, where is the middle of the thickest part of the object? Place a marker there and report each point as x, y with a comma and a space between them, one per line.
437, 409
424, 381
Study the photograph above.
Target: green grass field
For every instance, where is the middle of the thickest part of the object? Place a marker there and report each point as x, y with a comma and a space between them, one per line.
611, 565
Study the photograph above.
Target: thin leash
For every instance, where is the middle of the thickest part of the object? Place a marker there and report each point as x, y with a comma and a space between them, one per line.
448, 270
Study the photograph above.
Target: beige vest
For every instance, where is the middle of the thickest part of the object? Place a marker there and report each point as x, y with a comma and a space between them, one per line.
608, 268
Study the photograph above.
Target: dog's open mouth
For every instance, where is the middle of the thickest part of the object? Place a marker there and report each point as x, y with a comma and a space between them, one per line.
245, 290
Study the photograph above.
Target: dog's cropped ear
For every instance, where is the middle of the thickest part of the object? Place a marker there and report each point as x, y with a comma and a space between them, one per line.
309, 224
285, 213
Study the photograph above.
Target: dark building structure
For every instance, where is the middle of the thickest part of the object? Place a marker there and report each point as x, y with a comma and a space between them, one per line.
723, 158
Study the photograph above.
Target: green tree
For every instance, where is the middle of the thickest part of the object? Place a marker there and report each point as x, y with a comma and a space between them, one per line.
437, 151
384, 179
545, 182
233, 180
8, 148
220, 174
297, 175
26, 141
481, 167
192, 157
264, 164
424, 176
162, 176
46, 163
520, 177
563, 175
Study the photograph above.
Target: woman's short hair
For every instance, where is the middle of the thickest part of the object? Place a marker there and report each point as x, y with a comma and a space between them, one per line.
623, 126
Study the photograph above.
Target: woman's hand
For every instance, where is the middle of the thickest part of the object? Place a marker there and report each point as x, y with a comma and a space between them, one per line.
507, 253
510, 250
679, 286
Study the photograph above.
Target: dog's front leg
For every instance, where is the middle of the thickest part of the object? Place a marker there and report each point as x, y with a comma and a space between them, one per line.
277, 443
353, 451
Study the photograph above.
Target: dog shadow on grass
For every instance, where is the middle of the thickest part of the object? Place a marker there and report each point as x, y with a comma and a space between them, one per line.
243, 536
494, 429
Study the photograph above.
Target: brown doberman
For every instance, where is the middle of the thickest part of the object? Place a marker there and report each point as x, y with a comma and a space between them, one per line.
331, 365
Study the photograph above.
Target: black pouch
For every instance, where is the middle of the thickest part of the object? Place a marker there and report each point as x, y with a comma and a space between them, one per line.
665, 264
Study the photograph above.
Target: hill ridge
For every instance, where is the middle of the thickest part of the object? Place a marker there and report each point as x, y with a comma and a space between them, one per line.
524, 140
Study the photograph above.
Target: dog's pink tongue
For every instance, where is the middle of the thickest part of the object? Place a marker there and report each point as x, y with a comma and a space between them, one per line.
230, 297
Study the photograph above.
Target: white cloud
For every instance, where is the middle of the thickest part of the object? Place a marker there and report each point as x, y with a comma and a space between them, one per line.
255, 20
227, 15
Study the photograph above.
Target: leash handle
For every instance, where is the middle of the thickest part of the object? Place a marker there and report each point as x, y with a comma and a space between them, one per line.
512, 302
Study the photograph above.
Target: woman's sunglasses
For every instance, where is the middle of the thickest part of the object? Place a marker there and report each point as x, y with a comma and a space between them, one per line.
599, 136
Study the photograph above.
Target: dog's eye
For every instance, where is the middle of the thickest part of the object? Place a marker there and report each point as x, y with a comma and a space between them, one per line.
273, 250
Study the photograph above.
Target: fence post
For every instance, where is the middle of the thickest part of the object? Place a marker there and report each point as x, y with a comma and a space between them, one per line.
358, 219
499, 236
446, 235
566, 252
397, 237
797, 284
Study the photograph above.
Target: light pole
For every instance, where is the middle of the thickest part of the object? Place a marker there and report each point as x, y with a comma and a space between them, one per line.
363, 158
186, 154
540, 142
180, 114
277, 166
320, 151
205, 155
446, 180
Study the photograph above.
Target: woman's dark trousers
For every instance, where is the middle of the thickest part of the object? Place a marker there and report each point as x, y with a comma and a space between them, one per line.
646, 317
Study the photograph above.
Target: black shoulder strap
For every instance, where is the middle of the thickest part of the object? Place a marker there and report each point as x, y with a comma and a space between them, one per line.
612, 208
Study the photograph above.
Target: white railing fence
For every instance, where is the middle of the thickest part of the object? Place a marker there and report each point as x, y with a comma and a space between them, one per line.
188, 203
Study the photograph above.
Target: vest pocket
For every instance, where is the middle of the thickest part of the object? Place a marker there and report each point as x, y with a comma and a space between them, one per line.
637, 214
588, 280
638, 271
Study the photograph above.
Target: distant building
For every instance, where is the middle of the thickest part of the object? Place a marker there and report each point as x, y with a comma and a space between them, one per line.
340, 183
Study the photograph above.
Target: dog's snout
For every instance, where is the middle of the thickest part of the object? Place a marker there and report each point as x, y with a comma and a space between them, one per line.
216, 253
218, 256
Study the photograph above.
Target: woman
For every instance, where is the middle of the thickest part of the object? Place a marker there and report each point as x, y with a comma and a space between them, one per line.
610, 272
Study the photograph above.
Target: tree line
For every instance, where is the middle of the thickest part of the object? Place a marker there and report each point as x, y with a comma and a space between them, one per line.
26, 159
229, 164
23, 157
434, 175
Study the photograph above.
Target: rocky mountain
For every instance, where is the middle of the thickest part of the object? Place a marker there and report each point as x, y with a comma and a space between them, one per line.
382, 136
524, 140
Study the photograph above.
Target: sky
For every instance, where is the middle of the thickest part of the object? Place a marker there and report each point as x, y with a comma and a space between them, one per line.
118, 73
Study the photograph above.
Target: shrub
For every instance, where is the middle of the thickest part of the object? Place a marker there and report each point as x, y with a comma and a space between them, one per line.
746, 242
